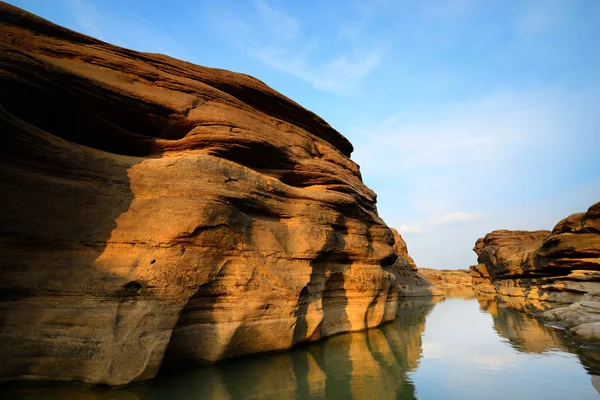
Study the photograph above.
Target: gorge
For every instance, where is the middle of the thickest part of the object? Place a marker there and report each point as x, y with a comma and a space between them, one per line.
169, 229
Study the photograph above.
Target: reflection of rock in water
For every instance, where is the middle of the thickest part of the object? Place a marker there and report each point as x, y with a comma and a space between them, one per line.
363, 365
596, 383
404, 334
530, 335
461, 292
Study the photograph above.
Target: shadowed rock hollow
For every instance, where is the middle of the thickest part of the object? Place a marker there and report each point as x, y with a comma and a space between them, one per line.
154, 212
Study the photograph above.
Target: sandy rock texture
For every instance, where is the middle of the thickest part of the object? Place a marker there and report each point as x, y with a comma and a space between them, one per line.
448, 278
561, 266
156, 212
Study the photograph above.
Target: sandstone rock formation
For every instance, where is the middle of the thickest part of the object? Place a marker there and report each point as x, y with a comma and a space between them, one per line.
562, 266
155, 212
410, 281
448, 278
481, 280
509, 254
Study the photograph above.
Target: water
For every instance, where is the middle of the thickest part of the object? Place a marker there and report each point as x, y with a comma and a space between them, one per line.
456, 349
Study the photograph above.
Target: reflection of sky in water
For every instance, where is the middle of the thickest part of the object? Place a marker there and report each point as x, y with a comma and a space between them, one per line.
465, 358
450, 350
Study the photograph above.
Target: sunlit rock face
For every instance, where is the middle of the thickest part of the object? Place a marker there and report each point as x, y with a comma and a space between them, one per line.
448, 278
509, 254
561, 265
155, 212
481, 280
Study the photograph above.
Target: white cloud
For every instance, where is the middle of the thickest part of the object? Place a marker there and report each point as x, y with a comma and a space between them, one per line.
432, 349
455, 218
278, 40
479, 132
494, 362
338, 75
409, 228
129, 33
87, 17
283, 25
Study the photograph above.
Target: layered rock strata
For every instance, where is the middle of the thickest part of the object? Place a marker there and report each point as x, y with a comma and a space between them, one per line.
561, 266
448, 278
155, 212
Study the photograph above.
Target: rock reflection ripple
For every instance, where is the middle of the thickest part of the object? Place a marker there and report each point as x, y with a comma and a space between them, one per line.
455, 347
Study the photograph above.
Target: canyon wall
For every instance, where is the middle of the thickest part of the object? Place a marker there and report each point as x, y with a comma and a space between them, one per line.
156, 212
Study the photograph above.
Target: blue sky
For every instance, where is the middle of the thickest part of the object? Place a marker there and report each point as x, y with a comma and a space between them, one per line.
466, 115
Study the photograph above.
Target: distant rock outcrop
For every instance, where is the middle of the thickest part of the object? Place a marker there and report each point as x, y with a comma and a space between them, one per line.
561, 266
410, 281
155, 211
448, 278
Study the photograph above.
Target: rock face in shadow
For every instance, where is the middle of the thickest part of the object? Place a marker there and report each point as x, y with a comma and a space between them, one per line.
410, 281
159, 212
561, 266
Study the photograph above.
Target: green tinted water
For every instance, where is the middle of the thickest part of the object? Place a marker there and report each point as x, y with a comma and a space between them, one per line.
455, 349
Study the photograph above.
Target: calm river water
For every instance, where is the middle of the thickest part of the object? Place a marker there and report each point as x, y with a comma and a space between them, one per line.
457, 348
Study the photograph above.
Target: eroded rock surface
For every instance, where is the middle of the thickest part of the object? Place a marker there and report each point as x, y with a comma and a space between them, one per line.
448, 278
155, 212
561, 266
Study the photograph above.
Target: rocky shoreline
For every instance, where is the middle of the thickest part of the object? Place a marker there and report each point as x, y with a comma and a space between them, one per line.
558, 269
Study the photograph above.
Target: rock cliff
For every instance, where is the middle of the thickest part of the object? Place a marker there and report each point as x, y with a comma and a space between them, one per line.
561, 266
156, 212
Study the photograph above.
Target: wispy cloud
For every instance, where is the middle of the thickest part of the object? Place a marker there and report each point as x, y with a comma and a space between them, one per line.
409, 228
456, 218
87, 17
338, 75
131, 33
282, 24
474, 165
485, 131
278, 40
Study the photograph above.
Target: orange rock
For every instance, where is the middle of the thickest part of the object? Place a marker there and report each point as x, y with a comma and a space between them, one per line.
155, 211
559, 266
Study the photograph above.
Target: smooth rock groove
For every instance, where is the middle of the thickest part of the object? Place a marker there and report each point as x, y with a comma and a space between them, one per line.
156, 212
